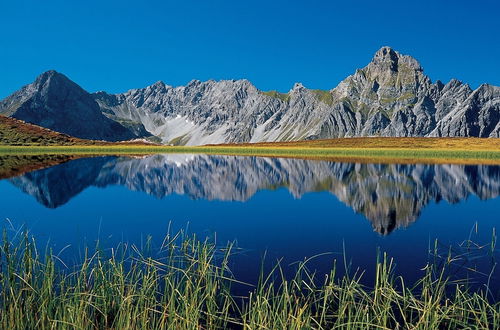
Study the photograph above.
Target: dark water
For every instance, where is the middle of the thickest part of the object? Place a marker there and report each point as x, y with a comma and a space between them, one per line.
288, 208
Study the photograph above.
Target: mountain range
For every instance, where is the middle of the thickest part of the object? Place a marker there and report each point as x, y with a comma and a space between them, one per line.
391, 96
389, 196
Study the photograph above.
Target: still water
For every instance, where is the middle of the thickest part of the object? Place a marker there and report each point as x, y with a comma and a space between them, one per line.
284, 208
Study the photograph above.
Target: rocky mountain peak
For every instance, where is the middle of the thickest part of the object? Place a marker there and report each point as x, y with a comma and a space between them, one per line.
159, 83
54, 101
54, 83
49, 76
485, 93
42, 78
193, 83
158, 86
390, 82
387, 58
297, 86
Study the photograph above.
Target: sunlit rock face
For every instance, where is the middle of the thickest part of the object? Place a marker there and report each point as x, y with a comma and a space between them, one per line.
389, 196
391, 96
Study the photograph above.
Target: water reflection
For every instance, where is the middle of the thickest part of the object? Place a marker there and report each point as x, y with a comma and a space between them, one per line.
390, 196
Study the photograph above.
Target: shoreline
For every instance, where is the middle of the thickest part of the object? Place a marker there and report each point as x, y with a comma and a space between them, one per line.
363, 154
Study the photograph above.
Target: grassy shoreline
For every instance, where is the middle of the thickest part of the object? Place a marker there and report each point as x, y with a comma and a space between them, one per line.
357, 154
188, 286
18, 137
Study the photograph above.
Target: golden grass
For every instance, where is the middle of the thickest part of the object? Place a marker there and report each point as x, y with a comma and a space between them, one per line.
18, 132
363, 149
15, 132
445, 143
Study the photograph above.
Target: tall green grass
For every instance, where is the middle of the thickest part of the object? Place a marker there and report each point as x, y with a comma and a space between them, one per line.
187, 285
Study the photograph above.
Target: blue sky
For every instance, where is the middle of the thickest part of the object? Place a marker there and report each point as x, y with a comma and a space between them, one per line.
119, 45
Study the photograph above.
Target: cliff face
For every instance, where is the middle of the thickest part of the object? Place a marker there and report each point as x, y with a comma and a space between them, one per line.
389, 196
55, 102
477, 115
391, 96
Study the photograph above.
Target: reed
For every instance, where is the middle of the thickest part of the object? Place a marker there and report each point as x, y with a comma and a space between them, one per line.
186, 284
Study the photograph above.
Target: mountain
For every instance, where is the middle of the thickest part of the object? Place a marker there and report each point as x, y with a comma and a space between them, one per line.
391, 96
476, 115
389, 196
55, 102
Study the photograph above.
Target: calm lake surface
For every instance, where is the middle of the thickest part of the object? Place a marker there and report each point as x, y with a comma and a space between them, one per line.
284, 208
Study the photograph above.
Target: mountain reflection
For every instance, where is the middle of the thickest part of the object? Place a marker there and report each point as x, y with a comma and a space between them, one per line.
390, 196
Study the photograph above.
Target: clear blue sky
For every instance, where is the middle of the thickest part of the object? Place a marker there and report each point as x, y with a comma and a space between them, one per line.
119, 45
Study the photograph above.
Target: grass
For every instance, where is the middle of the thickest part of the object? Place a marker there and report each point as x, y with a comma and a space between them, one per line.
19, 138
387, 150
324, 96
284, 97
454, 143
16, 132
180, 140
187, 285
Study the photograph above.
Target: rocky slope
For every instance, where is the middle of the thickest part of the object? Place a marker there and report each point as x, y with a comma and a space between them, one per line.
391, 96
389, 196
55, 102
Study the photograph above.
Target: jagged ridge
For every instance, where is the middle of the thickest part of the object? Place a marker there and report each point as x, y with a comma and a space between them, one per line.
391, 96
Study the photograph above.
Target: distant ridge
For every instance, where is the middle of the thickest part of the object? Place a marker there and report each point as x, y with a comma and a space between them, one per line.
391, 96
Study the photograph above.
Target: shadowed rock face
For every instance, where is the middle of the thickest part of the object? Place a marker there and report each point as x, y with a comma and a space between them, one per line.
389, 196
53, 101
391, 96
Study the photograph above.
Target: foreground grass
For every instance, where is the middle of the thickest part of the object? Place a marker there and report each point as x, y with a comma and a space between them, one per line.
188, 286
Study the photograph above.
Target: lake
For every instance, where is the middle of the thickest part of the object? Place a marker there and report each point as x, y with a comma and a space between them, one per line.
287, 209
